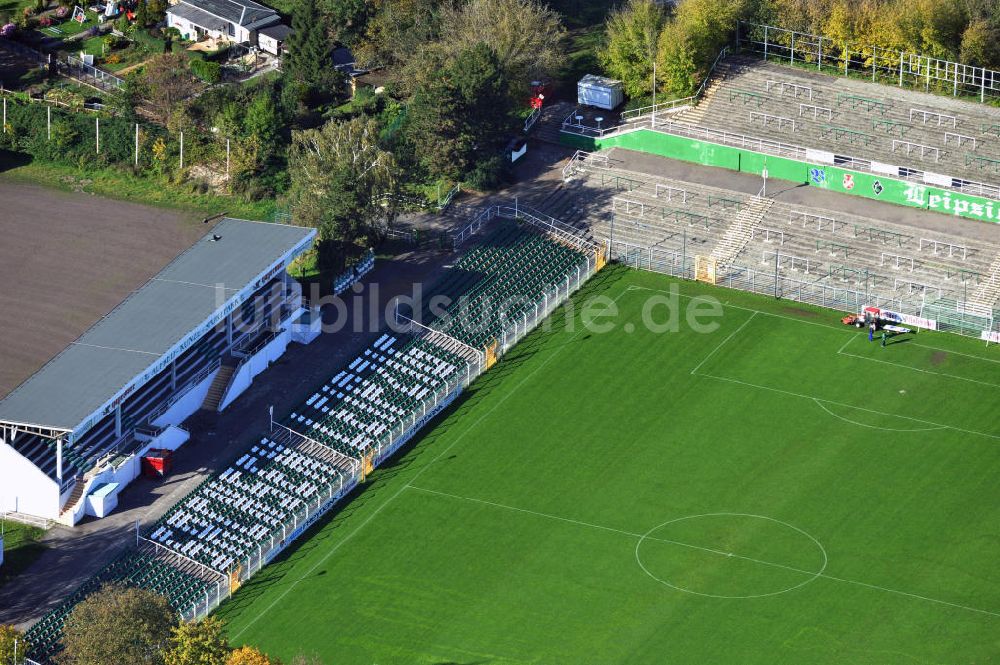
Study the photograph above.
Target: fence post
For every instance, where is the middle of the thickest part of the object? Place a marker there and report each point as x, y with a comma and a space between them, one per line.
97, 134
48, 123
182, 151
765, 43
137, 144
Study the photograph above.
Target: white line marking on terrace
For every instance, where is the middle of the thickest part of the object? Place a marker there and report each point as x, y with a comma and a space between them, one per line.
723, 343
919, 369
887, 429
416, 475
823, 575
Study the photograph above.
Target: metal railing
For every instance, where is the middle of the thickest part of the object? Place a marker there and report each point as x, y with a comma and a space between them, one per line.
560, 229
532, 118
886, 65
675, 103
951, 316
389, 443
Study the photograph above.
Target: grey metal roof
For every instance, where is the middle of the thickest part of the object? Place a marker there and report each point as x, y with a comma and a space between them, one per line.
239, 12
277, 32
197, 17
147, 324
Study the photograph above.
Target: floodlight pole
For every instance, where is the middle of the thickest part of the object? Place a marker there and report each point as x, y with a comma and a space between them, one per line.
137, 144
227, 159
182, 150
97, 134
48, 123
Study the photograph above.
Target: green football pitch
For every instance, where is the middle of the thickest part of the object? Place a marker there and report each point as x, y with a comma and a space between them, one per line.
777, 490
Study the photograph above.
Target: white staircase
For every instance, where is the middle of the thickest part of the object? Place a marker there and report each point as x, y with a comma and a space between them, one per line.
988, 293
740, 231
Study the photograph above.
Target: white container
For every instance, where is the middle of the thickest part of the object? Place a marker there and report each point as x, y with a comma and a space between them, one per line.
600, 92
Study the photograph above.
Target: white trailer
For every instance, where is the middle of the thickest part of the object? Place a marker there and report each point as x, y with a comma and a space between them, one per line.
600, 92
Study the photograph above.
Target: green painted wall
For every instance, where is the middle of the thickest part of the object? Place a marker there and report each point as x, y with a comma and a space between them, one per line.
857, 183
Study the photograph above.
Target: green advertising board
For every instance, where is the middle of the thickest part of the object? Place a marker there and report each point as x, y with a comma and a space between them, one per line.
825, 176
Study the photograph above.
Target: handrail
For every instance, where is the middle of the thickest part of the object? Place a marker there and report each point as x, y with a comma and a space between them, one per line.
636, 113
532, 118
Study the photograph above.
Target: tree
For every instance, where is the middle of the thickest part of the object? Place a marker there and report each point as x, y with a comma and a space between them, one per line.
310, 51
633, 34
248, 655
198, 643
693, 38
142, 14
262, 121
340, 179
981, 44
349, 18
461, 115
8, 636
167, 82
524, 35
118, 625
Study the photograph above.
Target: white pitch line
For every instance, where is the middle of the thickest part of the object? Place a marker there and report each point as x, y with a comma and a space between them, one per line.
723, 343
886, 429
957, 353
919, 369
402, 489
850, 406
632, 287
706, 549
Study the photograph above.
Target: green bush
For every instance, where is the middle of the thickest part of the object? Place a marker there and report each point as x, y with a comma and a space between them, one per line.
150, 43
209, 72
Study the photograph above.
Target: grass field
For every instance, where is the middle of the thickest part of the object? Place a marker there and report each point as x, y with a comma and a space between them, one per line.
20, 548
779, 490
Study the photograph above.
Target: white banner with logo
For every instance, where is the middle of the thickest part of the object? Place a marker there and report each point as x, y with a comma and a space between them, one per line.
990, 336
905, 319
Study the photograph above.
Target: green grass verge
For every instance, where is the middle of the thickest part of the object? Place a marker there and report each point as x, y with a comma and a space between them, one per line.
20, 548
775, 490
115, 184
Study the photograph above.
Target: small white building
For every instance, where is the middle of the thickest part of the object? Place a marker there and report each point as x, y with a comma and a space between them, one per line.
600, 92
272, 38
239, 21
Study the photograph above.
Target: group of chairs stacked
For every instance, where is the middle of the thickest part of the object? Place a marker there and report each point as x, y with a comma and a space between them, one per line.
380, 388
231, 514
133, 568
865, 120
494, 284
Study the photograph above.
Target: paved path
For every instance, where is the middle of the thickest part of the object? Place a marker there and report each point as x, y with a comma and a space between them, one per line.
75, 554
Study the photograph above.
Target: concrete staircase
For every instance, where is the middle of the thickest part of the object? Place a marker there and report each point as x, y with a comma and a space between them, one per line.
218, 388
74, 498
740, 231
695, 114
988, 293
547, 127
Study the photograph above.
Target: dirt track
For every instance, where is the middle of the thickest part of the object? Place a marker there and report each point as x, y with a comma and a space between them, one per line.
66, 260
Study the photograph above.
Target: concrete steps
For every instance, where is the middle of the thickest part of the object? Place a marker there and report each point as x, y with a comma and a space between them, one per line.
988, 293
741, 230
695, 114
75, 496
547, 127
218, 388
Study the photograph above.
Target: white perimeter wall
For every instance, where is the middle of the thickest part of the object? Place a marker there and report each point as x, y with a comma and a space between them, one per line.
254, 365
24, 488
186, 405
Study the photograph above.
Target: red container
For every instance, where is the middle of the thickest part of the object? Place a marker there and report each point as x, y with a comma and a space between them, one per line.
157, 463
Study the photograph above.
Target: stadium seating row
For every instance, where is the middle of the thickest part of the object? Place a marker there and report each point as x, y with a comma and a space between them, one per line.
134, 568
854, 118
889, 260
232, 513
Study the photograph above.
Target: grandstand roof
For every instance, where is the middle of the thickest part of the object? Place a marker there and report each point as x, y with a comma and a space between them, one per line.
149, 323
